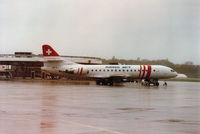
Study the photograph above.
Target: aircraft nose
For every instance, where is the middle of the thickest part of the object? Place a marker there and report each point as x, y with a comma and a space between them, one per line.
175, 74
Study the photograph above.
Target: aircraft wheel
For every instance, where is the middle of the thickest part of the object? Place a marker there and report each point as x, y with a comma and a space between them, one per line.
147, 84
165, 84
104, 83
157, 84
98, 82
111, 83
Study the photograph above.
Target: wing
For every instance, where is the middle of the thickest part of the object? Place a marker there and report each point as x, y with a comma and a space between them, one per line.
53, 59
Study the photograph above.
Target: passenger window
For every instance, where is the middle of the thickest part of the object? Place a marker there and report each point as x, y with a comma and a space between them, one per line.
115, 70
154, 70
92, 70
100, 70
104, 70
107, 70
119, 70
111, 70
127, 70
123, 70
96, 70
135, 70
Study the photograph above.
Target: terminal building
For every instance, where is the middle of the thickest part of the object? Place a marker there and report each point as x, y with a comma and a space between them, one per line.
27, 64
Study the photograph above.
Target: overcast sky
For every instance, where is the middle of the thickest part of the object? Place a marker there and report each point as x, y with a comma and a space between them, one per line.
149, 29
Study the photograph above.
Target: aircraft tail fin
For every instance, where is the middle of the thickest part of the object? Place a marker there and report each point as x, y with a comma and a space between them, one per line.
49, 51
53, 58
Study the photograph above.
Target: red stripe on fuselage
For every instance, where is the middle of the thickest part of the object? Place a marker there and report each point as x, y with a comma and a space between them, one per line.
149, 71
140, 70
143, 71
81, 70
78, 70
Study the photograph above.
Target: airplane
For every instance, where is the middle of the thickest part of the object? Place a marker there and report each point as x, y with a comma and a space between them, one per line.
106, 74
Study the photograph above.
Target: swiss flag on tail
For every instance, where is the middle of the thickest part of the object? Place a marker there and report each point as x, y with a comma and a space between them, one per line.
49, 51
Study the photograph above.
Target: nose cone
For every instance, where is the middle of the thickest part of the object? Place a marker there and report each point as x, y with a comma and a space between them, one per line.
172, 73
175, 74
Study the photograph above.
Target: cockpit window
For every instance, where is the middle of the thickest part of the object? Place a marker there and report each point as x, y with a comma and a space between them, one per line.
172, 71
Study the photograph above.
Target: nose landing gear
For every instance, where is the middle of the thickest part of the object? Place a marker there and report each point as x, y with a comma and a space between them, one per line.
148, 82
153, 82
165, 84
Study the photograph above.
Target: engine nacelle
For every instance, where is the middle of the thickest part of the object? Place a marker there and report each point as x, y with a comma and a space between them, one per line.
81, 71
76, 70
71, 70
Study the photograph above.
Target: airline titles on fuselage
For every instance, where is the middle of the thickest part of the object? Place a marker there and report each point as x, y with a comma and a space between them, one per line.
117, 67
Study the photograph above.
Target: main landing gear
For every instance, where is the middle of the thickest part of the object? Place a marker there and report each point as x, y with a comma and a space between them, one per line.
156, 84
104, 82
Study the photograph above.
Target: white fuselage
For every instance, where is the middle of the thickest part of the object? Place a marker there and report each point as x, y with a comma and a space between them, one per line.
104, 74
106, 71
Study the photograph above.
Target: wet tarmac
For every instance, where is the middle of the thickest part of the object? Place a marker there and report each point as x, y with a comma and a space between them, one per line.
68, 108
